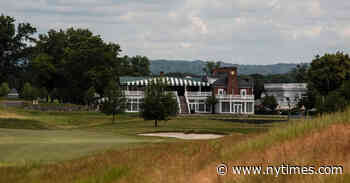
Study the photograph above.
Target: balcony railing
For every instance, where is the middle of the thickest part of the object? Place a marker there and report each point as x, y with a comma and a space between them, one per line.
199, 94
133, 93
141, 93
235, 97
228, 97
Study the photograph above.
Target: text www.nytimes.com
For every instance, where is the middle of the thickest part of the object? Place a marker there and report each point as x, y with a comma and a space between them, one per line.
223, 169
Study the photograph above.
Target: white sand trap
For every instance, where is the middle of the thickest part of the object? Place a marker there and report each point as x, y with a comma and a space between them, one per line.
183, 135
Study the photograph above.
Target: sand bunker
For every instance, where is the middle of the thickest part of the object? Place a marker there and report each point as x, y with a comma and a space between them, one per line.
183, 135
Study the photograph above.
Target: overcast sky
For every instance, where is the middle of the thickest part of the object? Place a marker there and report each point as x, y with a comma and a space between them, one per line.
234, 31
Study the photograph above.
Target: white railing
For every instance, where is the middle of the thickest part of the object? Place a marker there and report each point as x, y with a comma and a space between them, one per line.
135, 93
187, 102
198, 94
178, 101
235, 97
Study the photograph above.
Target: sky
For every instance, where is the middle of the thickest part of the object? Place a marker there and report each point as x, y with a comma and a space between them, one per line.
233, 31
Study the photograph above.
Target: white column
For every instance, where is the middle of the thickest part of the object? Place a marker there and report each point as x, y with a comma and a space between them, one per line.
230, 106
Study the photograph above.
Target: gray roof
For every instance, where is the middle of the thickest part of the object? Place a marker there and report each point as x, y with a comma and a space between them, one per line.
220, 82
245, 83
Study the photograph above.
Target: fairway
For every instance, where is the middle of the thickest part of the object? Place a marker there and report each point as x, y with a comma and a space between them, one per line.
45, 137
23, 146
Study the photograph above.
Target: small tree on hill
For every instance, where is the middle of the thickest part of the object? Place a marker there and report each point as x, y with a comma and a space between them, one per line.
4, 89
158, 104
115, 101
212, 101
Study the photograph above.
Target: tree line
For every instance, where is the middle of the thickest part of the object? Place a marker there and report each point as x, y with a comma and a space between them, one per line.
66, 65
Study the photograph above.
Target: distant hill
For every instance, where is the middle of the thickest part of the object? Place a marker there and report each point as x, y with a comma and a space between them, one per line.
195, 67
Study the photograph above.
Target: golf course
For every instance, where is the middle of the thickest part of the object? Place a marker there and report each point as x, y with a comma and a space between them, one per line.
87, 147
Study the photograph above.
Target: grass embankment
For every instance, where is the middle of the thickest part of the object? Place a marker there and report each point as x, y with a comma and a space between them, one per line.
321, 141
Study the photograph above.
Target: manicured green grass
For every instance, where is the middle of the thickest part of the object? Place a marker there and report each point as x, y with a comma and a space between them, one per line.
32, 136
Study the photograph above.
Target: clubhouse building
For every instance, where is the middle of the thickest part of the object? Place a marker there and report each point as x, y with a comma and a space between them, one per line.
235, 96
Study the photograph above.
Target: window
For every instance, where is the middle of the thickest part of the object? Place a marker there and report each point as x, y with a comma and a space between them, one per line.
243, 92
250, 107
207, 108
221, 91
201, 108
225, 107
133, 105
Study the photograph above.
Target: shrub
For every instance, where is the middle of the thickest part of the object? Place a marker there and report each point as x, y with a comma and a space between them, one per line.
4, 89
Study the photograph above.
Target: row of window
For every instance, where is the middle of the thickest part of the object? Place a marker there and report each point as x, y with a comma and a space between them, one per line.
133, 105
199, 106
243, 92
237, 107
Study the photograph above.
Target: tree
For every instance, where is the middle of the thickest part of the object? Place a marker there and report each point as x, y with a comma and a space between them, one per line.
333, 102
140, 66
90, 95
212, 101
4, 89
327, 78
115, 101
158, 104
269, 102
210, 66
14, 47
43, 93
300, 73
327, 73
29, 92
60, 54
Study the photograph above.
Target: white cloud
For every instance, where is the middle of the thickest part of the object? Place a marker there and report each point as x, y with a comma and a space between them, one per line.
314, 8
344, 32
185, 45
199, 25
241, 31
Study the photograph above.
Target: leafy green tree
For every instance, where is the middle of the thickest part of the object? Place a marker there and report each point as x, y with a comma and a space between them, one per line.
14, 47
29, 92
269, 102
333, 102
43, 93
327, 73
210, 66
212, 101
74, 60
158, 104
140, 66
300, 73
114, 100
90, 95
4, 89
